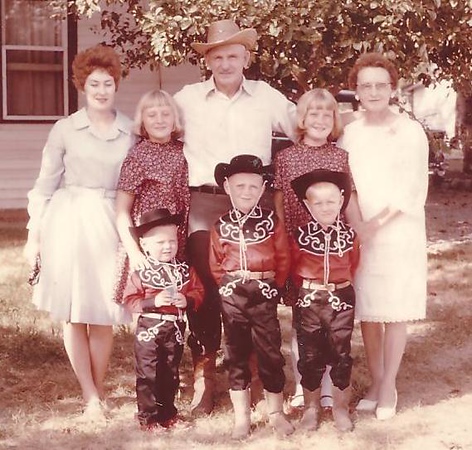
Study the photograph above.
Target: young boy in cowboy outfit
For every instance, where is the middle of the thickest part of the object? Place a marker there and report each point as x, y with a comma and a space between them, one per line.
160, 294
325, 253
249, 259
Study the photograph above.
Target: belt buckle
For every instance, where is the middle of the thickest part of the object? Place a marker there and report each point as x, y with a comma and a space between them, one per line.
330, 287
246, 275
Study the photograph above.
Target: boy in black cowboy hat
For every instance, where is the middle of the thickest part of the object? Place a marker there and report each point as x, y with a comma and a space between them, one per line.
160, 294
325, 253
249, 259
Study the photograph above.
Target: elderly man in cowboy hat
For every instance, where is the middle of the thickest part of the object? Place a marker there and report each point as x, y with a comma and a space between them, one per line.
224, 116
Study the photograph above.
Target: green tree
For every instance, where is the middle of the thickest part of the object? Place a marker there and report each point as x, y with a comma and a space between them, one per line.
302, 43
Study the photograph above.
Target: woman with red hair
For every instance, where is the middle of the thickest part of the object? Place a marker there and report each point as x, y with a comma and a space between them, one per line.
72, 229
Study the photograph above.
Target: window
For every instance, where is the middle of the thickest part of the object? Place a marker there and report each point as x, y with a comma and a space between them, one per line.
34, 62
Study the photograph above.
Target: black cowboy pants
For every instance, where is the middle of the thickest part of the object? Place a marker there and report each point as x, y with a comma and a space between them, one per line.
324, 337
251, 324
158, 351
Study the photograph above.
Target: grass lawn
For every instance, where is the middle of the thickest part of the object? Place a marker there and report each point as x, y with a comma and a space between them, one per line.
40, 401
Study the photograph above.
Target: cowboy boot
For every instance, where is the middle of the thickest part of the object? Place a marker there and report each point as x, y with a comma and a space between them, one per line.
309, 420
204, 372
342, 421
242, 413
277, 419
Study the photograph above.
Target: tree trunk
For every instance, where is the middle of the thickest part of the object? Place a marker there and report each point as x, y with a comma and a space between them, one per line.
464, 129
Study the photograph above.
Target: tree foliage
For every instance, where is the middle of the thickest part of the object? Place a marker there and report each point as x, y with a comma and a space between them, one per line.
301, 43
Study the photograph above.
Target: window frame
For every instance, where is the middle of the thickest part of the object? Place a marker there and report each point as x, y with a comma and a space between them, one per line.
69, 49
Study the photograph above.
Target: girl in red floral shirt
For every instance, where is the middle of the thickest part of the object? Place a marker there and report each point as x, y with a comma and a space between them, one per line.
154, 175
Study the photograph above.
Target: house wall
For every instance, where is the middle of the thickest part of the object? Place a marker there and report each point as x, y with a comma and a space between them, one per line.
21, 144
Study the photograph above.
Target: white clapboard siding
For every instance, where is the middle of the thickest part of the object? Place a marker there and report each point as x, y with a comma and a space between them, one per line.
20, 149
21, 144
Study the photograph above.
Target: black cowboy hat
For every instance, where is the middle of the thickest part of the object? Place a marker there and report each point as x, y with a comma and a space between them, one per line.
341, 179
155, 218
242, 164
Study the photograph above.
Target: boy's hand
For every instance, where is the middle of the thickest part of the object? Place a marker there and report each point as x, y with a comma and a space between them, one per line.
164, 298
180, 301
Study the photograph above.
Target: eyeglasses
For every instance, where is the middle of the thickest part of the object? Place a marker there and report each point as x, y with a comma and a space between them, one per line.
370, 86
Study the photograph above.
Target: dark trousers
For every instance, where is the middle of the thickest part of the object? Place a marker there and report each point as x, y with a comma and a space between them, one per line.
251, 324
158, 351
324, 337
204, 324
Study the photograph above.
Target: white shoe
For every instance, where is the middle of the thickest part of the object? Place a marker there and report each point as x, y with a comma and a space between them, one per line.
297, 401
94, 411
387, 412
366, 405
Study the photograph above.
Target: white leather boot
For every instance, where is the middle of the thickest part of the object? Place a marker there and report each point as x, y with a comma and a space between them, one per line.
277, 419
242, 413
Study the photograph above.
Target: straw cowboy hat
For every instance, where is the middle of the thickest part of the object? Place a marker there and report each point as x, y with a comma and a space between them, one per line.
225, 32
341, 179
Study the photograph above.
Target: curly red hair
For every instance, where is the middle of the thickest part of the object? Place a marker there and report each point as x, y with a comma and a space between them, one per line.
97, 57
372, 59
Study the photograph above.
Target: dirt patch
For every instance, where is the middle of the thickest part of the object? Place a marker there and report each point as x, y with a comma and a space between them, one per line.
448, 215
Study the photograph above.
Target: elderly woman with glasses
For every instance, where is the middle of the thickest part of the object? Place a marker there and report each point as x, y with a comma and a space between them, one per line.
388, 157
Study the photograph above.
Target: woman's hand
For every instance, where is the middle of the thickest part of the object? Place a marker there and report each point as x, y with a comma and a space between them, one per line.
366, 230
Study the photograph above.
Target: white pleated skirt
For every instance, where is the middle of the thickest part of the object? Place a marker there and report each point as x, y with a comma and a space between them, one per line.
79, 245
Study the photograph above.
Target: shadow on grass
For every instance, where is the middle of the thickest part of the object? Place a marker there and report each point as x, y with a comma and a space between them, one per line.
37, 383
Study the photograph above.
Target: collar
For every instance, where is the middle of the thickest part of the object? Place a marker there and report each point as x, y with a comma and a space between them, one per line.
331, 229
236, 215
210, 86
156, 263
81, 120
328, 230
